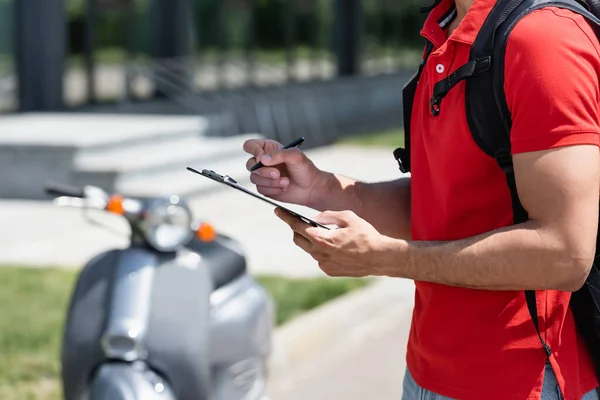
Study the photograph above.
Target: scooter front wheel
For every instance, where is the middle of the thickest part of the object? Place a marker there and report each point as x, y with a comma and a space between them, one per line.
123, 381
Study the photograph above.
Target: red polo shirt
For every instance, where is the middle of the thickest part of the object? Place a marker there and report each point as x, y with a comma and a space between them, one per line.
477, 344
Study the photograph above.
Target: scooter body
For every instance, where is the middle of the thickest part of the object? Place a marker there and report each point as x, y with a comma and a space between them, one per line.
150, 324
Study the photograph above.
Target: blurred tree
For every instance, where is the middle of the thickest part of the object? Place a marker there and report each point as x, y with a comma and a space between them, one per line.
110, 27
6, 31
399, 23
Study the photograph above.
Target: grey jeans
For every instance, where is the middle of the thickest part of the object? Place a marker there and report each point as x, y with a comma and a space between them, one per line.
550, 391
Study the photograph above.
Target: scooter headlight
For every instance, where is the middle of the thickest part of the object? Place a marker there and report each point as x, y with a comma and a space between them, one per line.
167, 224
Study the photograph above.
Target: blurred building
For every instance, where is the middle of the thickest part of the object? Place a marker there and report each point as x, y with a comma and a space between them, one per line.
279, 68
68, 54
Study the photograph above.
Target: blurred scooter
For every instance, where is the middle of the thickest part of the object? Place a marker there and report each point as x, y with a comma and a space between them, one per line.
174, 316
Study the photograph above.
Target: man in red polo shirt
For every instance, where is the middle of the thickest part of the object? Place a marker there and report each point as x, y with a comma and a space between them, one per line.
449, 226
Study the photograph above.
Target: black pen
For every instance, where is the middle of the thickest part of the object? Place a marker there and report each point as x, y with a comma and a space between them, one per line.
295, 143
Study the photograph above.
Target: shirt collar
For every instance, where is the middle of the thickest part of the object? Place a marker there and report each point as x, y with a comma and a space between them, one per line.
436, 24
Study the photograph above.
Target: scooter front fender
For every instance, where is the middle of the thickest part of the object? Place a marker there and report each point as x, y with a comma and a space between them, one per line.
131, 297
117, 381
137, 304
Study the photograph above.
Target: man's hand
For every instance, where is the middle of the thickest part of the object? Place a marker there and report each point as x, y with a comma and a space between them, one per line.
288, 175
351, 250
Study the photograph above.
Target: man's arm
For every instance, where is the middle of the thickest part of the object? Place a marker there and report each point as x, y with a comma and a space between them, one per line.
552, 95
385, 205
553, 250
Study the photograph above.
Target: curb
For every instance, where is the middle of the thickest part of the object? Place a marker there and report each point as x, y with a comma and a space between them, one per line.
319, 329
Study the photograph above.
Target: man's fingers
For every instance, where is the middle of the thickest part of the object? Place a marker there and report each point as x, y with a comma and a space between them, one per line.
254, 147
291, 157
294, 222
260, 146
251, 162
302, 242
272, 192
339, 218
268, 172
269, 182
286, 217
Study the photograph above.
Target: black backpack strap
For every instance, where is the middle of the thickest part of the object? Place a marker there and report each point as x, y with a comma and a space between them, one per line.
427, 9
402, 154
488, 115
440, 89
479, 62
593, 6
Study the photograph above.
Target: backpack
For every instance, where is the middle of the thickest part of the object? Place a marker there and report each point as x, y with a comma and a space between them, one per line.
489, 122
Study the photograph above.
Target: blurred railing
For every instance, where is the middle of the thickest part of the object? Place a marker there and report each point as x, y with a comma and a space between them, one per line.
235, 44
135, 51
8, 84
8, 92
279, 67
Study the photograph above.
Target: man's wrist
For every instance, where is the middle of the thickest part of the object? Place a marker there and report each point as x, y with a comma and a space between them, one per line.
320, 192
336, 193
392, 257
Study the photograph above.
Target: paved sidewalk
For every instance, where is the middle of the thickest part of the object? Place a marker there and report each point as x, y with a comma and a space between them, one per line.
353, 348
38, 233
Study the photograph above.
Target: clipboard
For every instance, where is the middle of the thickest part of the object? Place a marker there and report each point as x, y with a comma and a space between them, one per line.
228, 181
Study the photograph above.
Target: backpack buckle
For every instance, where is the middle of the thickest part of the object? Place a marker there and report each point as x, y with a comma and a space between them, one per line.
504, 160
435, 105
402, 157
482, 65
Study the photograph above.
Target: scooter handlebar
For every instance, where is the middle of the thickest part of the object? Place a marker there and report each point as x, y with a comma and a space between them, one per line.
59, 189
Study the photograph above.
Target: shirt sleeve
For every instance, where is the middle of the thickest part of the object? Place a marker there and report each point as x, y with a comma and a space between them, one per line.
551, 82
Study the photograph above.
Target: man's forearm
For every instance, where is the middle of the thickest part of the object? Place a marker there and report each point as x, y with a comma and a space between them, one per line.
385, 205
519, 257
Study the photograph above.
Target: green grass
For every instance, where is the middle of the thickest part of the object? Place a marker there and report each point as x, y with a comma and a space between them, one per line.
295, 296
32, 311
389, 139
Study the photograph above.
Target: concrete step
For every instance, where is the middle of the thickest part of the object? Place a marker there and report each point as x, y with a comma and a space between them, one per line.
183, 182
146, 162
132, 152
95, 132
150, 157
